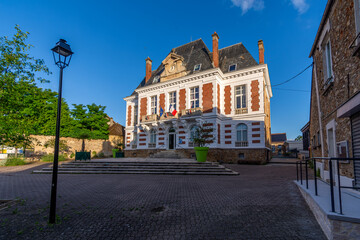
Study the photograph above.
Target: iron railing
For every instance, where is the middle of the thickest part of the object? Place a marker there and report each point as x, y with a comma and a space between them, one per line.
305, 163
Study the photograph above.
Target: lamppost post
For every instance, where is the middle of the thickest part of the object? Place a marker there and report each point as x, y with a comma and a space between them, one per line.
63, 51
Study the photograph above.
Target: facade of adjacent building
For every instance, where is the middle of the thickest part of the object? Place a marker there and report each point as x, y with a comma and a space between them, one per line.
225, 90
335, 94
277, 143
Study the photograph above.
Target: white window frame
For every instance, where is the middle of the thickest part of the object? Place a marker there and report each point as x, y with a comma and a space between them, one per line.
172, 99
153, 104
241, 94
196, 66
357, 17
231, 66
192, 97
327, 60
243, 133
152, 136
135, 115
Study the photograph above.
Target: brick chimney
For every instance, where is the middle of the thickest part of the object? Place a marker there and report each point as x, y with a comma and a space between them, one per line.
148, 69
261, 52
215, 38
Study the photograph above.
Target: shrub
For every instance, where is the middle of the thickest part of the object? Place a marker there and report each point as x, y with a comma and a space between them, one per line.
15, 162
72, 155
50, 158
101, 155
94, 154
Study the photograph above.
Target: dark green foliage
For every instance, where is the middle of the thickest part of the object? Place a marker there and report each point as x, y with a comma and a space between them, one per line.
90, 121
27, 109
50, 158
203, 135
15, 162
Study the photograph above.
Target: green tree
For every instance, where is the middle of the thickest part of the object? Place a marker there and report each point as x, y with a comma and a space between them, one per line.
17, 83
298, 138
90, 120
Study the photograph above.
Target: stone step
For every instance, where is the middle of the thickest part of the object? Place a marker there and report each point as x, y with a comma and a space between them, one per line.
142, 165
230, 173
134, 167
142, 169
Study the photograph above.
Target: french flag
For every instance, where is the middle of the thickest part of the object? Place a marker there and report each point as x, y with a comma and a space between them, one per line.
172, 110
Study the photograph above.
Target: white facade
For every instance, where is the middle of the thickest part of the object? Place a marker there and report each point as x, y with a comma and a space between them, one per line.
138, 130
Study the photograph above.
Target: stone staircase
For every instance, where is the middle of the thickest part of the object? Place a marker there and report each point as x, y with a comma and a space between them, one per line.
168, 154
189, 167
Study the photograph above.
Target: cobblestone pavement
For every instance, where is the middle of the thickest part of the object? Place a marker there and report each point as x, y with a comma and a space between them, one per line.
261, 203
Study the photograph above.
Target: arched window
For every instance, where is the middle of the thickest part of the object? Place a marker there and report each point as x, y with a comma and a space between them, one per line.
241, 133
153, 136
193, 132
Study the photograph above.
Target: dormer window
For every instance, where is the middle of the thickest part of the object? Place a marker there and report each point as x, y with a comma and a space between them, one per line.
197, 67
156, 79
232, 67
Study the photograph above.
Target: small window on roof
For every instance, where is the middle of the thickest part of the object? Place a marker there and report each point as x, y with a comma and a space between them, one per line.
197, 67
232, 67
156, 79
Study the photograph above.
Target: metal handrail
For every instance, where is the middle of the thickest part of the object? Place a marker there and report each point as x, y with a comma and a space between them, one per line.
332, 198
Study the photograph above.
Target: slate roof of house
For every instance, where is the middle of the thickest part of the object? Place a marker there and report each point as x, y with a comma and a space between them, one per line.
278, 137
196, 52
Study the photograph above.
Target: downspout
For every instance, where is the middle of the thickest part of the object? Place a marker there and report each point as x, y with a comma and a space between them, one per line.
319, 110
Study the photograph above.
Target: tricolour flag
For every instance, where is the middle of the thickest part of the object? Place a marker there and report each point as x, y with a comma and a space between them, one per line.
172, 110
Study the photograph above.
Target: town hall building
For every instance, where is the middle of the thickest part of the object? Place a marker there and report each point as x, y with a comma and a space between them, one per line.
226, 90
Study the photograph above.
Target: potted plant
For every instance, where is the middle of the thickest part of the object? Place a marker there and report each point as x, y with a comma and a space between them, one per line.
201, 137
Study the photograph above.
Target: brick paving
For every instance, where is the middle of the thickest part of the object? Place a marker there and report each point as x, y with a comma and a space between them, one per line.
261, 203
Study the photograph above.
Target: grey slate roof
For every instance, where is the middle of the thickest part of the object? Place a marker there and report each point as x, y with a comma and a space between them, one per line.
235, 54
278, 137
196, 52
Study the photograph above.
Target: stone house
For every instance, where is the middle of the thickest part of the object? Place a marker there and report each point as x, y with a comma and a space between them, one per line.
335, 90
277, 143
225, 89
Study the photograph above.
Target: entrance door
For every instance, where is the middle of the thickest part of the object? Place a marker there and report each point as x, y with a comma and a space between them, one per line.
171, 141
355, 132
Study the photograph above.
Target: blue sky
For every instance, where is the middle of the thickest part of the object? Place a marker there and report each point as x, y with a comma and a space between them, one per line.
111, 40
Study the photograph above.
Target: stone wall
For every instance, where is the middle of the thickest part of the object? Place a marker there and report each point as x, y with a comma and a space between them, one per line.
345, 85
97, 145
241, 156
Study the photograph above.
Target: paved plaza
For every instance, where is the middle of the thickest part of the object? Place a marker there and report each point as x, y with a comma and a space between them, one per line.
260, 203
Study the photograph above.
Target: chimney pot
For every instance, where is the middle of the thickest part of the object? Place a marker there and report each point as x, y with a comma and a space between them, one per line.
261, 51
148, 69
215, 38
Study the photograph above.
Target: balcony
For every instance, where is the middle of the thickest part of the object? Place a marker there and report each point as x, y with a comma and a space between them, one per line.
191, 112
241, 111
149, 118
241, 144
168, 116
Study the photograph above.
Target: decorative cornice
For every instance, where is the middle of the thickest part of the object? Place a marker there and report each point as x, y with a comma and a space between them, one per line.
202, 75
243, 73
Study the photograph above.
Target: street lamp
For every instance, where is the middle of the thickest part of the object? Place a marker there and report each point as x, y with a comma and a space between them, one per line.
62, 55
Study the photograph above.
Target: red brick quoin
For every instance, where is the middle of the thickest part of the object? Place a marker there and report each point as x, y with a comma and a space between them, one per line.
129, 116
182, 99
207, 94
255, 97
143, 107
227, 95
